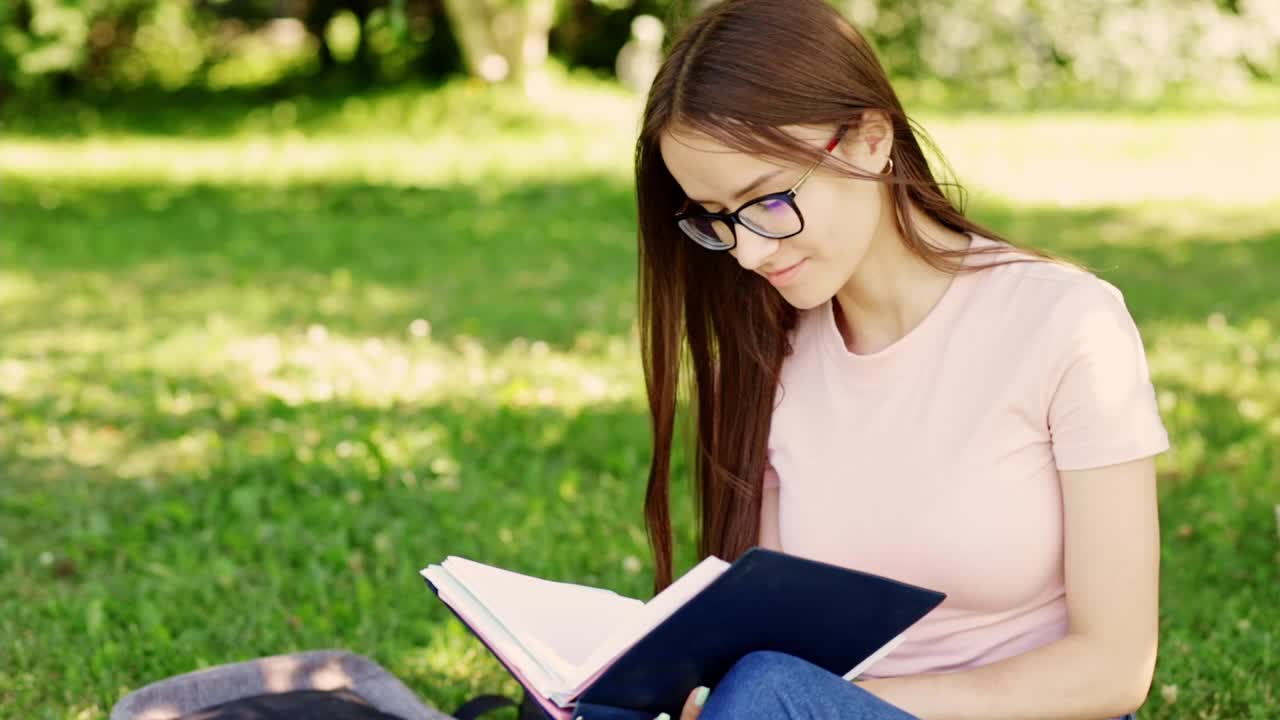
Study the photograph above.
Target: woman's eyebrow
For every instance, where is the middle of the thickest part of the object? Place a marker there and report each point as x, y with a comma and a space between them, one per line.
750, 186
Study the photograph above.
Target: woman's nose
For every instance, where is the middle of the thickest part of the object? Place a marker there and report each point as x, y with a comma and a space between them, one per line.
752, 250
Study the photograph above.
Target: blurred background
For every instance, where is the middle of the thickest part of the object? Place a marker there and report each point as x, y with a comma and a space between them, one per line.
299, 296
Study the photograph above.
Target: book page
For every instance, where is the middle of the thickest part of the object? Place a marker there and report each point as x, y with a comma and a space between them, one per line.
527, 667
639, 624
561, 623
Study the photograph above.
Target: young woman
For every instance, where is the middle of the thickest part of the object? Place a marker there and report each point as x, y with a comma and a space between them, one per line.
878, 381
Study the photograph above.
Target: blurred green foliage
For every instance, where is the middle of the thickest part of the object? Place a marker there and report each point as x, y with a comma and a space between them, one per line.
96, 46
1030, 53
1003, 53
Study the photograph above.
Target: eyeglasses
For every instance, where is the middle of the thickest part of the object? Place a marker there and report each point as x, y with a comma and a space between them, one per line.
773, 216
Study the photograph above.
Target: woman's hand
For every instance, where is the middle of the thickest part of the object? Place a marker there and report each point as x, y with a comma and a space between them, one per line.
692, 705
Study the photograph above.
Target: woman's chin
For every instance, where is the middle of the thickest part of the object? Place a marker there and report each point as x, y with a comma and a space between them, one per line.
803, 298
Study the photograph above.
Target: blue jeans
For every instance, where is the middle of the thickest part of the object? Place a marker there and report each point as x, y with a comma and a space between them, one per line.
774, 686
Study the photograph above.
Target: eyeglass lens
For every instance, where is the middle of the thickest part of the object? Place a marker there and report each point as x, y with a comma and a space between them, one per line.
771, 217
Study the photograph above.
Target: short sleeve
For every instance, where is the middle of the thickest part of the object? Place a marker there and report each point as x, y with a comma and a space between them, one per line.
1102, 405
770, 478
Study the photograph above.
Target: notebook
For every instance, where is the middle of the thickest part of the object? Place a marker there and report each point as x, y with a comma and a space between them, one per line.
590, 653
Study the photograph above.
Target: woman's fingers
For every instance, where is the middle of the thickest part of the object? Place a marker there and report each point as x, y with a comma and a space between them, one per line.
693, 705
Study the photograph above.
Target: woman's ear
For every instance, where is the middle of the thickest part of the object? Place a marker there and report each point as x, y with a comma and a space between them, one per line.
869, 141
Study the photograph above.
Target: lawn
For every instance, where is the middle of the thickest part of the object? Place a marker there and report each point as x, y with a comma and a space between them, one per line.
261, 362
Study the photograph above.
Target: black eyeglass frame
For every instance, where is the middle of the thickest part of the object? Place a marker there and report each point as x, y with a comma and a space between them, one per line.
732, 219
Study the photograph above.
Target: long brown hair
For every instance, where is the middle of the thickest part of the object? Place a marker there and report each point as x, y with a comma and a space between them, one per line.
740, 72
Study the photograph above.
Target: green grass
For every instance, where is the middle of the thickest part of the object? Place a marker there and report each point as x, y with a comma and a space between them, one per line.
259, 366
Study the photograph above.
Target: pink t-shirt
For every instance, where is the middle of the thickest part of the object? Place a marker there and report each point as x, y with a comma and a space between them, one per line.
935, 461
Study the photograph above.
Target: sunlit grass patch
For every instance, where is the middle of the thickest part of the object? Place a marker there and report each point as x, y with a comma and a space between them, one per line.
1088, 159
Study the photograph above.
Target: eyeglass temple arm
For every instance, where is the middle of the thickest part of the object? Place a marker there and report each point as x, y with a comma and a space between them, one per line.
830, 146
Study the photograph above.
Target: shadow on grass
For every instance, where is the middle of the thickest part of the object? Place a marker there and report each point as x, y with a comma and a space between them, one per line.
1173, 264
310, 104
542, 262
193, 112
409, 109
545, 261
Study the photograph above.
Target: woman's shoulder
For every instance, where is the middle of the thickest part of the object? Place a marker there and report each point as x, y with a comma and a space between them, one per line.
1014, 278
1056, 311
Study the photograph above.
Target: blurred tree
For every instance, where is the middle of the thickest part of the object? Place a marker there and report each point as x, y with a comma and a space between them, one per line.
1026, 53
502, 40
639, 60
589, 33
441, 55
1032, 52
316, 15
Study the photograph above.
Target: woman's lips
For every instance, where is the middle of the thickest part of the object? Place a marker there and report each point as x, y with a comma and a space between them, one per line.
786, 275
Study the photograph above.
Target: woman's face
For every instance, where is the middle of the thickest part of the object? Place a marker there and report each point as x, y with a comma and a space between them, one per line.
841, 214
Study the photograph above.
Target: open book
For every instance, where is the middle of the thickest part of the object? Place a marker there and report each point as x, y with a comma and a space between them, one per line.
591, 653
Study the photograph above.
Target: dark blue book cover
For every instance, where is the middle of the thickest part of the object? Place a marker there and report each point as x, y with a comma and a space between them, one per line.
828, 615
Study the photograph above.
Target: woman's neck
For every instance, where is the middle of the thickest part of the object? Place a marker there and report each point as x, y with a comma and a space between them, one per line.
893, 289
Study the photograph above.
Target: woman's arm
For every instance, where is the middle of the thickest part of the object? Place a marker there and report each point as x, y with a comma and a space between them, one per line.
1103, 667
770, 537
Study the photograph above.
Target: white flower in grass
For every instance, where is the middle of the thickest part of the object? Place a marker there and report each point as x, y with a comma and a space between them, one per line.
631, 564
